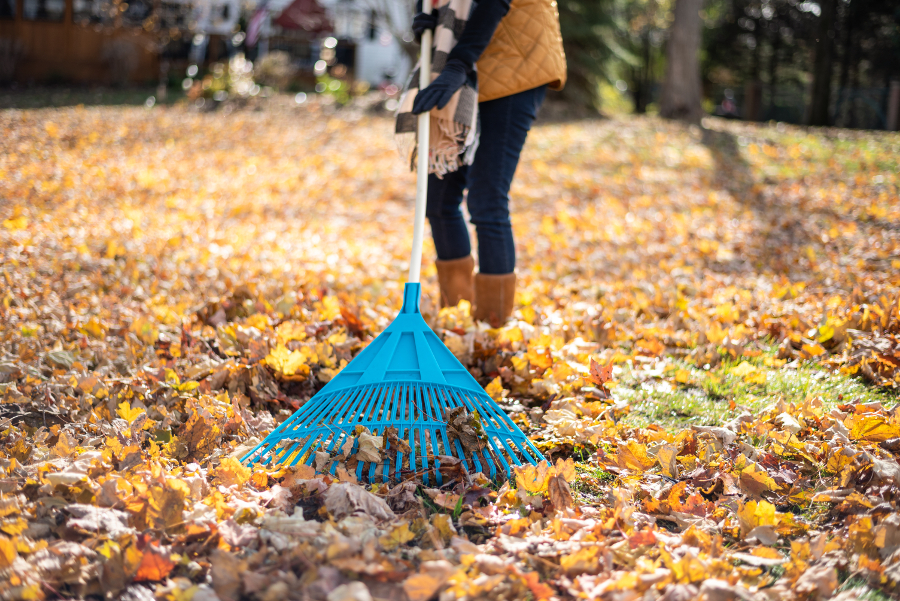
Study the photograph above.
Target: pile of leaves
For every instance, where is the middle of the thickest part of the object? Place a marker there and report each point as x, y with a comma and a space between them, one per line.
165, 302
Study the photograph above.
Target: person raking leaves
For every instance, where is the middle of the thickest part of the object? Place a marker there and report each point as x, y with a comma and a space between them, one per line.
480, 117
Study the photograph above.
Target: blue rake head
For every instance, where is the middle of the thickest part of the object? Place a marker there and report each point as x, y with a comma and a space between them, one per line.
406, 383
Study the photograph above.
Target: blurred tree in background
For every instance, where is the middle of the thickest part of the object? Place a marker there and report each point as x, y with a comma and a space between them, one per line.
820, 62
590, 38
828, 62
681, 93
644, 35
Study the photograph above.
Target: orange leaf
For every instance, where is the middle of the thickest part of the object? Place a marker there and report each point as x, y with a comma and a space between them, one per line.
600, 374
537, 588
644, 537
154, 565
259, 480
633, 456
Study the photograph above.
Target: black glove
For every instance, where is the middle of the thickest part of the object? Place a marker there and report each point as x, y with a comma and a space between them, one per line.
441, 90
422, 22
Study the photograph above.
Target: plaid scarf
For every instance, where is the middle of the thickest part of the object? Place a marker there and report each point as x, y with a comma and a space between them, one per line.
454, 131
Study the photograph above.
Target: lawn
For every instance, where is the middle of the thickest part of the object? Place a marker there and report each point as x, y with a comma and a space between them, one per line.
175, 284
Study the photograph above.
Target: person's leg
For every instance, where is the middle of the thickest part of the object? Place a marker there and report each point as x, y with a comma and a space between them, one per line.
448, 227
504, 126
454, 264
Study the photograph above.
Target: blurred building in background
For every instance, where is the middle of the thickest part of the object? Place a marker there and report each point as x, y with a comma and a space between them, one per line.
113, 42
75, 40
374, 30
366, 33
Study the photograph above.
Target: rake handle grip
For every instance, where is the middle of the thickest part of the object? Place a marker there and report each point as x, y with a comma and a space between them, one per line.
422, 139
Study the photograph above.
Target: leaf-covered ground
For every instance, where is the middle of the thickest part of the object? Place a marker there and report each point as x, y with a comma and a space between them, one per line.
175, 284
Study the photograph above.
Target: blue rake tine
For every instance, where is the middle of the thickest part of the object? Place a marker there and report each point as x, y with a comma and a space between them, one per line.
423, 448
401, 429
280, 434
491, 432
433, 412
315, 434
398, 468
405, 379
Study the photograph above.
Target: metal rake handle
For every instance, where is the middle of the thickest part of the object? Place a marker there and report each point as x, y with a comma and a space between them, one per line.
415, 262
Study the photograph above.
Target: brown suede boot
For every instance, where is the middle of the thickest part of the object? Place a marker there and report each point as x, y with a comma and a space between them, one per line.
494, 296
455, 280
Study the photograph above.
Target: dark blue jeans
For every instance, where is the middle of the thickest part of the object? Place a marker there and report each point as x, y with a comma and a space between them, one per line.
504, 125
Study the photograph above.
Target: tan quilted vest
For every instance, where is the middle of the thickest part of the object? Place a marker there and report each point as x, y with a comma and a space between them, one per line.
525, 52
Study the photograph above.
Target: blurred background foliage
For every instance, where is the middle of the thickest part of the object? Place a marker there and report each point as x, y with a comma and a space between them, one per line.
757, 56
817, 62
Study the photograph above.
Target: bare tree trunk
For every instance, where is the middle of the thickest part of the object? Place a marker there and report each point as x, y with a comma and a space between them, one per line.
820, 98
773, 70
642, 77
854, 106
681, 86
753, 88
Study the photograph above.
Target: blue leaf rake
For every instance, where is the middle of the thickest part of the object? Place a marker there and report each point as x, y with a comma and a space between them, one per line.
404, 386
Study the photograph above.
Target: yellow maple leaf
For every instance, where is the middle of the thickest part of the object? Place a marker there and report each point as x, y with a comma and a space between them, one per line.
330, 308
93, 328
715, 334
632, 455
495, 389
260, 321
288, 362
14, 527
839, 459
872, 428
533, 478
565, 468
290, 330
165, 504
666, 455
16, 223
127, 413
758, 377
231, 472
743, 370
686, 568
8, 552
755, 513
399, 535
813, 350
443, 525
587, 560
144, 329
755, 480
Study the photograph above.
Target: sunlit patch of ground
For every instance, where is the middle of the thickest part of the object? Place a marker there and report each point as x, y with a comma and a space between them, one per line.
173, 284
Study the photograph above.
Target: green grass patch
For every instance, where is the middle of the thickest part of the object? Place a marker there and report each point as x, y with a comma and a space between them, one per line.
679, 394
592, 483
862, 591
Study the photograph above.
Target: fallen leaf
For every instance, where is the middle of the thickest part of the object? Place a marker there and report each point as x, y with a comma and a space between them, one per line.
155, 566
632, 455
370, 446
397, 536
666, 455
353, 591
345, 499
560, 495
232, 472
